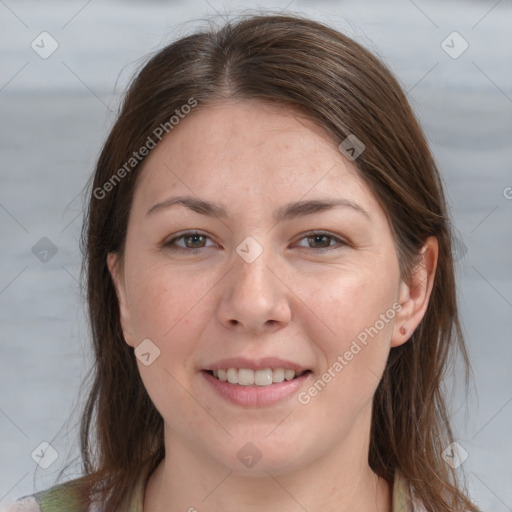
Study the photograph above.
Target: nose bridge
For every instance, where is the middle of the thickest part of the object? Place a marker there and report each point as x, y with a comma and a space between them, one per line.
253, 296
251, 268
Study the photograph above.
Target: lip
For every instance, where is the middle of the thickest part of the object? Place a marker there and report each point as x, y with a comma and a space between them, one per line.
254, 396
258, 364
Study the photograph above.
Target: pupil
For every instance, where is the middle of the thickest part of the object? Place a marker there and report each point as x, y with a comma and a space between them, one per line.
317, 239
195, 239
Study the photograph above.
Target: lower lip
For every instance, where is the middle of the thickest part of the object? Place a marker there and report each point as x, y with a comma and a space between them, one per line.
255, 396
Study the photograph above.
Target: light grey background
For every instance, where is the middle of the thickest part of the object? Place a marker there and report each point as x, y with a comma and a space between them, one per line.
56, 112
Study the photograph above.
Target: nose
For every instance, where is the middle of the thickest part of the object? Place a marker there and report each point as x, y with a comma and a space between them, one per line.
254, 297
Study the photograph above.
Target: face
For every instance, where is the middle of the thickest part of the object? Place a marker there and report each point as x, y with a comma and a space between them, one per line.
276, 256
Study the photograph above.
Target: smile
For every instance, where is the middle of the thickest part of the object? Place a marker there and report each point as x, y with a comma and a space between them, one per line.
249, 395
249, 377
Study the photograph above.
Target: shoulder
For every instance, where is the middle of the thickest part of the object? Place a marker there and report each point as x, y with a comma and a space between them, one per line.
65, 497
403, 496
27, 504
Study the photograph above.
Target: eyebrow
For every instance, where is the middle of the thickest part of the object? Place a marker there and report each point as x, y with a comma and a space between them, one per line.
287, 212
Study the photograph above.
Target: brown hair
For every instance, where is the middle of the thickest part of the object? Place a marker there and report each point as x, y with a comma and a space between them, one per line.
346, 90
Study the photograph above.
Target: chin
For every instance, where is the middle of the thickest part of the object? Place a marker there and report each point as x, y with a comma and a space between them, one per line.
258, 459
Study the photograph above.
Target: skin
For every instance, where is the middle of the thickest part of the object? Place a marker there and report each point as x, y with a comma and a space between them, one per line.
297, 300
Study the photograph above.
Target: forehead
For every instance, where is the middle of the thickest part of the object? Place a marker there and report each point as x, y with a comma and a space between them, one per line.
258, 149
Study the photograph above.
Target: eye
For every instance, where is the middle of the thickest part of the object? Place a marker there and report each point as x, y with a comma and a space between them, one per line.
321, 240
317, 240
188, 240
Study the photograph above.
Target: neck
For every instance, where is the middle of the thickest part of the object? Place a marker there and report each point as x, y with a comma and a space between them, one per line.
229, 493
340, 480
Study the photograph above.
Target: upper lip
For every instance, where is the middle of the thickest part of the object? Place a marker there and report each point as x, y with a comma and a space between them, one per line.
256, 364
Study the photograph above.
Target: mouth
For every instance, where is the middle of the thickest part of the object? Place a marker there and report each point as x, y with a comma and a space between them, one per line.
260, 378
250, 382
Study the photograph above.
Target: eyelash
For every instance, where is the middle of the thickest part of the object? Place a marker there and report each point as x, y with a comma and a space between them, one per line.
171, 244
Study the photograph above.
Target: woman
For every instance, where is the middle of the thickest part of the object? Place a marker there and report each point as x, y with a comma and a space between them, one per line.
270, 287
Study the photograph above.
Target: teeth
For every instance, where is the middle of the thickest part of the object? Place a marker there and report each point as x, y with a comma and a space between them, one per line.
289, 374
278, 375
245, 377
248, 377
232, 375
262, 377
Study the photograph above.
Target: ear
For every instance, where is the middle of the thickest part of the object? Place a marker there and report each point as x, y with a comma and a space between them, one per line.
116, 271
415, 294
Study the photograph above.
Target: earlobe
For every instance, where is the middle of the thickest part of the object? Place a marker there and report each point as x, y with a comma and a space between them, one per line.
414, 295
114, 267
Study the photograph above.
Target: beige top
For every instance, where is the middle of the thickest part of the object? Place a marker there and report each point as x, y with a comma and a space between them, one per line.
64, 498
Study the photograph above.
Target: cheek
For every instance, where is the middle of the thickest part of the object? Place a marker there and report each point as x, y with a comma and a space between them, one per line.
164, 300
346, 304
171, 306
352, 326
167, 307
